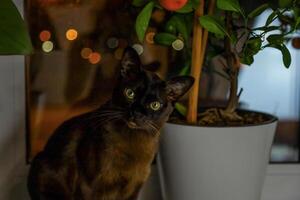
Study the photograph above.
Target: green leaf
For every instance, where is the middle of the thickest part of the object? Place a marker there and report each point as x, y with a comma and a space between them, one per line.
271, 18
297, 23
266, 28
195, 3
139, 3
213, 25
258, 10
254, 45
181, 109
186, 69
230, 5
286, 56
275, 39
14, 37
142, 21
164, 38
170, 26
181, 26
285, 3
247, 60
187, 8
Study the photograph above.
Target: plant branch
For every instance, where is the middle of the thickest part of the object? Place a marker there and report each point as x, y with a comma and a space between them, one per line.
233, 64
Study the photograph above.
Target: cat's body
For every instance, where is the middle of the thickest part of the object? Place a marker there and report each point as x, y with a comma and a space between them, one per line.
106, 154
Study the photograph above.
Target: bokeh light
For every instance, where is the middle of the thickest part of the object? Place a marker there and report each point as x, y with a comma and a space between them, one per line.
45, 35
95, 57
150, 37
178, 45
71, 34
158, 15
86, 52
112, 43
139, 48
118, 54
47, 46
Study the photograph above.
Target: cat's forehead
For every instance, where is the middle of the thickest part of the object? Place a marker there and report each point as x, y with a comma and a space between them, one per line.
146, 80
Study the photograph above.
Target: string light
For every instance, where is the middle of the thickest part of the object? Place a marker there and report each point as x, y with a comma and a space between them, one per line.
71, 34
94, 57
45, 35
47, 46
86, 52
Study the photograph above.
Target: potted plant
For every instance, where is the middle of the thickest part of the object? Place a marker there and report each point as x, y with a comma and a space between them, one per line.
221, 152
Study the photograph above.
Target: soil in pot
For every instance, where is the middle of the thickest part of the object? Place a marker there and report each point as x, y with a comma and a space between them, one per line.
214, 117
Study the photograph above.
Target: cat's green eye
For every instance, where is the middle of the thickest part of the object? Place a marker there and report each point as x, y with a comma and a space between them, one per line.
129, 93
155, 105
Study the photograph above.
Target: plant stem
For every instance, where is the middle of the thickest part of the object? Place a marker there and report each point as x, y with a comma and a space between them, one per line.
233, 64
196, 65
211, 9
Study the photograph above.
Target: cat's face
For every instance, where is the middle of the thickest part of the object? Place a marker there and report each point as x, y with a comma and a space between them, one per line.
147, 100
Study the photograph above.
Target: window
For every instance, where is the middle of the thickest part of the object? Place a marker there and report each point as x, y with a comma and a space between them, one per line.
270, 87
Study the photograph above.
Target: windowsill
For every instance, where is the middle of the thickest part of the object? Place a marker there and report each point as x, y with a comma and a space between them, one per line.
283, 169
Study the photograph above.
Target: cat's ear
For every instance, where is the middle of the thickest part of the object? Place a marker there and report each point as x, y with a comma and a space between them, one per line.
130, 63
178, 86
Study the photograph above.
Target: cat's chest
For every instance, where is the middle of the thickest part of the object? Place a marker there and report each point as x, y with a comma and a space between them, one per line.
132, 151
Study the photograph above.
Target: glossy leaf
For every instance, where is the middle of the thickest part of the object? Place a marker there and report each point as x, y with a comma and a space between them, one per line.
286, 56
181, 109
186, 69
266, 28
164, 38
181, 27
213, 25
254, 45
258, 10
230, 5
247, 60
275, 39
142, 20
271, 18
14, 37
170, 27
297, 24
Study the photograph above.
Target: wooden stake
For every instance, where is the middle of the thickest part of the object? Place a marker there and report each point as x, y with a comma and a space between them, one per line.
196, 65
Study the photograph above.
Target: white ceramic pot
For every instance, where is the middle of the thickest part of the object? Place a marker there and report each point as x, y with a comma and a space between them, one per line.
151, 189
214, 163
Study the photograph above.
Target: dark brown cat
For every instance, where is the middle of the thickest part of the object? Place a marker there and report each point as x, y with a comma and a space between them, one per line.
106, 154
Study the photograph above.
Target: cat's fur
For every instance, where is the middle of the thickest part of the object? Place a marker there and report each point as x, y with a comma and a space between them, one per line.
106, 154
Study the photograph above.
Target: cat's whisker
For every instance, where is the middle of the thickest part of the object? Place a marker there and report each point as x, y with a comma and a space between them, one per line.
153, 128
108, 119
152, 123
